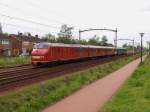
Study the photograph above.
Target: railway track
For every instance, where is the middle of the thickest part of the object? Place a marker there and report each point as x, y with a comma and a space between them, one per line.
15, 68
16, 77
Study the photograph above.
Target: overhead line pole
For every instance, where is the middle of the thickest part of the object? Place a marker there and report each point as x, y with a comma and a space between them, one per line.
133, 48
116, 38
116, 31
79, 35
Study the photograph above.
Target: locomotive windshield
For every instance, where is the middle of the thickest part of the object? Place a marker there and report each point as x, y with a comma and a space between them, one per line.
40, 46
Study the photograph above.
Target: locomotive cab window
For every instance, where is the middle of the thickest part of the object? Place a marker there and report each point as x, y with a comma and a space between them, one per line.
41, 46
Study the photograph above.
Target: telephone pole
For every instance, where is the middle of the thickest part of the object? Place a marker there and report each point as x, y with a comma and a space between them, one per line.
141, 34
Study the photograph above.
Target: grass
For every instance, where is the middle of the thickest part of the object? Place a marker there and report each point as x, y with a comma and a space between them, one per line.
38, 96
134, 96
6, 61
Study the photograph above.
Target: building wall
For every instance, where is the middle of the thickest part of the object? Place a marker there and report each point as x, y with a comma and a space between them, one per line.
16, 46
27, 47
5, 45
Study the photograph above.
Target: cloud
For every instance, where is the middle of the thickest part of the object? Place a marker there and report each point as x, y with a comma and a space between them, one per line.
145, 9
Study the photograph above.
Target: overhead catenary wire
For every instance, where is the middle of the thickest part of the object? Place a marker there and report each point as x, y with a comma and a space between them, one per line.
23, 26
47, 10
35, 5
28, 21
20, 10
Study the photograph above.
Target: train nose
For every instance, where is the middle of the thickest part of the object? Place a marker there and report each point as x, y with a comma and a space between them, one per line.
39, 52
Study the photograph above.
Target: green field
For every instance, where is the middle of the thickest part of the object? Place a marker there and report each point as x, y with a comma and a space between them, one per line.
38, 96
6, 61
134, 96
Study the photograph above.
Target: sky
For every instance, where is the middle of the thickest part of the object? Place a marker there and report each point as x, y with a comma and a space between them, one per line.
130, 17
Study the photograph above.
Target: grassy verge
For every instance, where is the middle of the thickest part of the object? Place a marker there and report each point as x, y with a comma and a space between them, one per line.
5, 61
134, 96
38, 96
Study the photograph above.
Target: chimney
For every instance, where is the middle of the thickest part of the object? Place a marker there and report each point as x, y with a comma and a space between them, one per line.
20, 34
37, 36
29, 34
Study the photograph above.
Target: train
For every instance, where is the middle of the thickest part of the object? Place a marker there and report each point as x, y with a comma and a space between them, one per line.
45, 52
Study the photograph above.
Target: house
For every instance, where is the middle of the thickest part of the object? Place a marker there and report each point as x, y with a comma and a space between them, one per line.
14, 45
27, 42
5, 45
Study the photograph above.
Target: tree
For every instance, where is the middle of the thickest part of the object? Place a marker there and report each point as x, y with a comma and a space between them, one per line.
129, 47
110, 45
65, 31
50, 38
124, 45
65, 34
6, 34
64, 40
74, 41
27, 34
84, 42
104, 41
94, 40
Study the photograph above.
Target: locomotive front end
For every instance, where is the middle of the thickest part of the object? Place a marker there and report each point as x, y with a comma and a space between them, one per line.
40, 54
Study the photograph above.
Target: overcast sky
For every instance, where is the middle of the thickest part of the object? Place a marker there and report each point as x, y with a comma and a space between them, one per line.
129, 16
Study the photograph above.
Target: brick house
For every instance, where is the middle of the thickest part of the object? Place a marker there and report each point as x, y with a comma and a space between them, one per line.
16, 44
5, 45
27, 42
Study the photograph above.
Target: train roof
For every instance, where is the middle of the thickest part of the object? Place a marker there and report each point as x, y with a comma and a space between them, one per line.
75, 45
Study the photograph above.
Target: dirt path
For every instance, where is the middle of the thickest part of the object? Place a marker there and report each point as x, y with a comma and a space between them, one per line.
92, 97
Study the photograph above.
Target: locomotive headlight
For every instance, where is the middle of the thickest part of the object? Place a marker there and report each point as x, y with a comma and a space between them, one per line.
37, 57
41, 56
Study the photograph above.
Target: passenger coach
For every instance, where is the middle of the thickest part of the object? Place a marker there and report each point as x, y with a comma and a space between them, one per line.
51, 52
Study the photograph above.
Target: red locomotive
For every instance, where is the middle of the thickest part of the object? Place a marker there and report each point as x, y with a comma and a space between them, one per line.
52, 52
